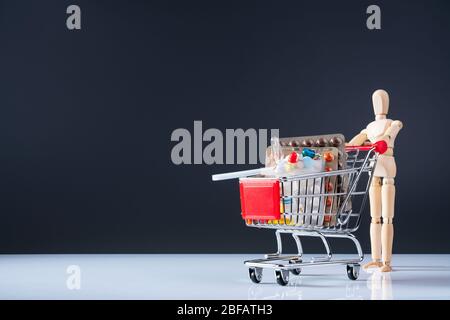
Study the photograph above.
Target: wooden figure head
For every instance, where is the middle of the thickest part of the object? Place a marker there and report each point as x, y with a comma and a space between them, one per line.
380, 100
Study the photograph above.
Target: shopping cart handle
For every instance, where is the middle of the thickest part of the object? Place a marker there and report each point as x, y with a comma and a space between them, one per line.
379, 147
241, 174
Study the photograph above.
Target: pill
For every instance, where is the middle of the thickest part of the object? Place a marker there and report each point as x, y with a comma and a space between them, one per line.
307, 143
329, 187
335, 141
328, 156
293, 143
293, 157
308, 153
308, 162
320, 142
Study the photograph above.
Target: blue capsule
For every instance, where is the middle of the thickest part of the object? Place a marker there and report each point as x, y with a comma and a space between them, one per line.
308, 153
308, 162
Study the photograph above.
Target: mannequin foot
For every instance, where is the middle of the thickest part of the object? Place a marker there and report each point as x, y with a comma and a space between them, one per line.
372, 264
386, 268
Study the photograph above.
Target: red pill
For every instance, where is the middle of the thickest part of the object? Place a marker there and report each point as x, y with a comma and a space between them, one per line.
329, 187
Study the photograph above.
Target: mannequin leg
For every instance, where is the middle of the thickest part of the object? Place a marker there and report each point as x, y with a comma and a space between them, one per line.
387, 230
375, 226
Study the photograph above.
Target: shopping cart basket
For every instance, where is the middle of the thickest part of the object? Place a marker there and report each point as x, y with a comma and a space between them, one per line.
324, 205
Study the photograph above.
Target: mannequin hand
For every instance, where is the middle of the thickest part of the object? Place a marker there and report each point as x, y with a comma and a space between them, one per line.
380, 146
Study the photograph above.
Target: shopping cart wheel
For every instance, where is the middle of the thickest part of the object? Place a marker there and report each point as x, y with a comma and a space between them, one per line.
282, 277
353, 271
255, 274
295, 271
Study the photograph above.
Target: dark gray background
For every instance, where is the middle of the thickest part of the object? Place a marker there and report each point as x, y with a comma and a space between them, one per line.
86, 116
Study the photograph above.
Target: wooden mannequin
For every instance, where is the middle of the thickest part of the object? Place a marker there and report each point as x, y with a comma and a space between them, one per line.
382, 189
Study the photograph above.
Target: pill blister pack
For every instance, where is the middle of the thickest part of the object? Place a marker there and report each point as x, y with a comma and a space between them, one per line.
321, 210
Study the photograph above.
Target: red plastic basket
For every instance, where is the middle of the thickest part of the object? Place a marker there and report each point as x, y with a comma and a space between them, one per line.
260, 199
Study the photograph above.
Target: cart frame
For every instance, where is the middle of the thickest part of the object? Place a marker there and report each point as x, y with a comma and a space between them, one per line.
284, 265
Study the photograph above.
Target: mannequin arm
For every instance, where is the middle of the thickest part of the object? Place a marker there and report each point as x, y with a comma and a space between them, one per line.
359, 139
392, 131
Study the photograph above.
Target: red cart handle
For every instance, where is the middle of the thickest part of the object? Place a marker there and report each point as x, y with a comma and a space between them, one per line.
379, 146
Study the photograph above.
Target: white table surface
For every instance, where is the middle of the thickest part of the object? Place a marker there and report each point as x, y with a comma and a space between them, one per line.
211, 277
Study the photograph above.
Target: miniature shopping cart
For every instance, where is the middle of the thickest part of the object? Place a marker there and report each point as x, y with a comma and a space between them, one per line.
324, 205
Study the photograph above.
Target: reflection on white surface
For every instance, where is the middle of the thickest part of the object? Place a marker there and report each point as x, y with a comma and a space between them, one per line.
294, 291
210, 277
380, 285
